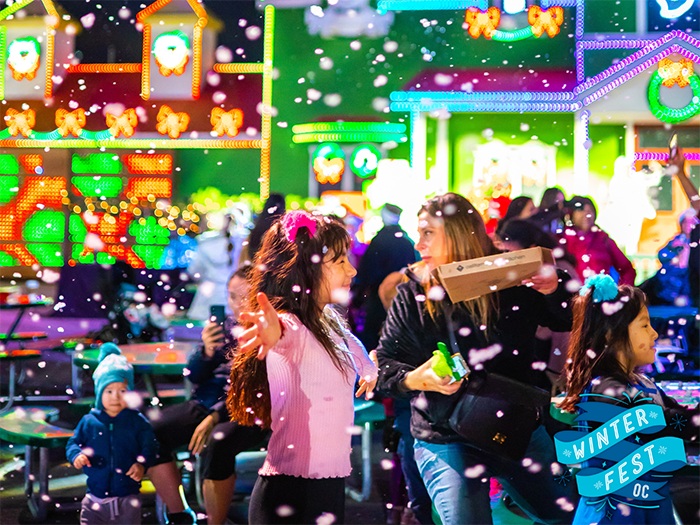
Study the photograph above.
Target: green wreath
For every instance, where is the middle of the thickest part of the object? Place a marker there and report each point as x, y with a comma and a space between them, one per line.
672, 115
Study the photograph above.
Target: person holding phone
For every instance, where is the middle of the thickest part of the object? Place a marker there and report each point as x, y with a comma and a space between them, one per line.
677, 166
193, 423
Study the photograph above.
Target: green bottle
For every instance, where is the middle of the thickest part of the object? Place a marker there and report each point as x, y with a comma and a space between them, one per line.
449, 365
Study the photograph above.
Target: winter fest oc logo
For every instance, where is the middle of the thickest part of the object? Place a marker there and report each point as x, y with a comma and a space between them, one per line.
624, 462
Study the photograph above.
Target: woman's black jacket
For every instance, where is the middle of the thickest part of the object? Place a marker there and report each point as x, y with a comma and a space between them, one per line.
410, 336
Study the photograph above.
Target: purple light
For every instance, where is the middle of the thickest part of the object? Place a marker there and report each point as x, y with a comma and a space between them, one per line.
462, 96
580, 10
546, 4
652, 155
585, 115
579, 54
653, 44
619, 43
487, 106
648, 155
675, 48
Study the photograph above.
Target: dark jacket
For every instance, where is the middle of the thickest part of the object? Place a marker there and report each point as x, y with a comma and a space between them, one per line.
410, 336
210, 376
390, 251
694, 266
115, 444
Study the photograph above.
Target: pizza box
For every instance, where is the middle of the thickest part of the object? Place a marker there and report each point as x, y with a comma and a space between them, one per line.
465, 280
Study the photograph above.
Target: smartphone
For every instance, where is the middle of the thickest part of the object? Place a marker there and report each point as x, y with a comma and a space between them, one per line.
673, 146
218, 314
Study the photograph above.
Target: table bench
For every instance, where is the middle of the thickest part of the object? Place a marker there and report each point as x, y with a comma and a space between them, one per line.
37, 437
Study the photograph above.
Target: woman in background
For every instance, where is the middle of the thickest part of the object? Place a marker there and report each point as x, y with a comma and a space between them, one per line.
594, 250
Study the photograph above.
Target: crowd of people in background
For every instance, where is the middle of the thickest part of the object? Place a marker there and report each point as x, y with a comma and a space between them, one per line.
281, 370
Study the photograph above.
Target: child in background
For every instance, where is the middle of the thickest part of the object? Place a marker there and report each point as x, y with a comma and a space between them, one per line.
296, 367
113, 444
611, 340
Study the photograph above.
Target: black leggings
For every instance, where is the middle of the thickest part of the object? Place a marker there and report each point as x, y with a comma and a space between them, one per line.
294, 500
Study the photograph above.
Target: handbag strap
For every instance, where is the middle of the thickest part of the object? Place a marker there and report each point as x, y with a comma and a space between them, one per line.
449, 310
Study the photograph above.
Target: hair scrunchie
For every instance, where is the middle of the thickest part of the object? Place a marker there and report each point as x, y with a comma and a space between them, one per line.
604, 288
293, 220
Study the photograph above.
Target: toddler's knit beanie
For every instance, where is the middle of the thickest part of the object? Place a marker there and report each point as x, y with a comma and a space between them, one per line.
113, 368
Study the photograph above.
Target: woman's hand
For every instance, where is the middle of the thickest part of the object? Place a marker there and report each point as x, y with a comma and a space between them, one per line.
212, 337
424, 378
266, 329
201, 433
545, 282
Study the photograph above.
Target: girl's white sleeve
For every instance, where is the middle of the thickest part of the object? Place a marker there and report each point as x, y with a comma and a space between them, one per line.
365, 367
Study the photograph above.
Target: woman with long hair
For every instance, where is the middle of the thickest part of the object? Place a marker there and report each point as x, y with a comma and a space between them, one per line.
594, 250
296, 368
495, 334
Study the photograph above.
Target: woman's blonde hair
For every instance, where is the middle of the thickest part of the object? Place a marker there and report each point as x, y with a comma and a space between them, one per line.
466, 238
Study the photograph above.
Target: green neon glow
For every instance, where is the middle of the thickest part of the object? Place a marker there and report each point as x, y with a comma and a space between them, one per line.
45, 226
329, 151
9, 165
105, 258
98, 186
18, 52
9, 186
76, 228
149, 233
77, 250
97, 163
13, 8
151, 255
303, 138
673, 115
364, 161
49, 135
512, 36
59, 143
339, 127
7, 260
95, 135
46, 254
170, 48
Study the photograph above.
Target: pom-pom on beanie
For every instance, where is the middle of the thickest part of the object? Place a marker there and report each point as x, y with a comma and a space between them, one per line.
113, 368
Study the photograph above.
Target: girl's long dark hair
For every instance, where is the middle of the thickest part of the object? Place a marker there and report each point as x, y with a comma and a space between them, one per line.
466, 238
290, 273
273, 209
599, 335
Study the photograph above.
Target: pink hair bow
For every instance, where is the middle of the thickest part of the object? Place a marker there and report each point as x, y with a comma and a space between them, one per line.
294, 220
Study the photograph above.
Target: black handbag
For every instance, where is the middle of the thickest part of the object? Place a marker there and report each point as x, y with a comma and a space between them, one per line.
495, 413
498, 414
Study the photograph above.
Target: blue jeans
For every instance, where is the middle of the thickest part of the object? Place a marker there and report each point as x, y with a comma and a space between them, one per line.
417, 495
457, 478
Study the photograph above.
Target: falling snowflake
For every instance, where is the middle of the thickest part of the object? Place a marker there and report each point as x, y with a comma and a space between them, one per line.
678, 422
598, 485
653, 415
567, 453
563, 478
662, 450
